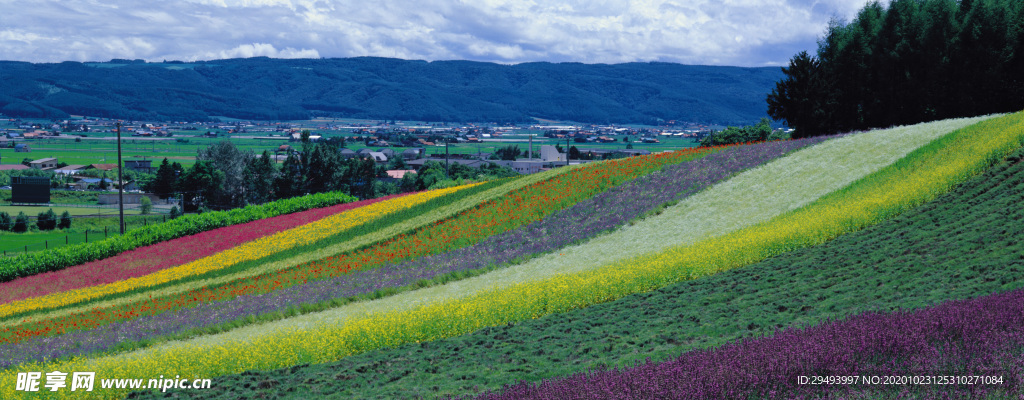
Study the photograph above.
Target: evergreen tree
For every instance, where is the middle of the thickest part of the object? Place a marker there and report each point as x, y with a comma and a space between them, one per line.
65, 221
166, 178
5, 221
47, 220
574, 153
201, 185
289, 183
260, 176
913, 61
228, 159
325, 167
20, 223
508, 153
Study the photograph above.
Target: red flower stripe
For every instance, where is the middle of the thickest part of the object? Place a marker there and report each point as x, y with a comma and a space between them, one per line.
145, 260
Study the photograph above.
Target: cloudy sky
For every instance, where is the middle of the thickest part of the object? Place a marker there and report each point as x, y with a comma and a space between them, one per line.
714, 32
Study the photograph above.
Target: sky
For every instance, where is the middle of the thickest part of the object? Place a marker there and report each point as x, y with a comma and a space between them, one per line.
747, 33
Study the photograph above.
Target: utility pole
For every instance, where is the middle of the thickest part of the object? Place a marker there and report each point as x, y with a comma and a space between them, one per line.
120, 179
446, 173
567, 150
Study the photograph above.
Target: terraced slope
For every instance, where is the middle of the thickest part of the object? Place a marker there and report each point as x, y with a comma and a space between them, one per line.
487, 300
964, 244
322, 336
52, 260
485, 217
603, 212
256, 249
158, 256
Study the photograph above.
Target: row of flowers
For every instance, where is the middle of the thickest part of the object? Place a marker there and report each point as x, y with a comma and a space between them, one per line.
250, 250
155, 257
917, 178
582, 221
96, 313
546, 195
63, 257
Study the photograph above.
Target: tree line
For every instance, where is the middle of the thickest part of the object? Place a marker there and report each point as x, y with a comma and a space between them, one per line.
45, 221
913, 61
225, 177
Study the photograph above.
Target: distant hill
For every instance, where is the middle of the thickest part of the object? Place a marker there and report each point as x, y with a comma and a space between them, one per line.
383, 88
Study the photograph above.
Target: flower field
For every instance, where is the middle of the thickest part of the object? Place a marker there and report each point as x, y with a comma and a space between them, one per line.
155, 257
958, 246
604, 211
250, 250
528, 249
56, 259
534, 188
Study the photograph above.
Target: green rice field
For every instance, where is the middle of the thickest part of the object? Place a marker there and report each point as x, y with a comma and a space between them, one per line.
99, 150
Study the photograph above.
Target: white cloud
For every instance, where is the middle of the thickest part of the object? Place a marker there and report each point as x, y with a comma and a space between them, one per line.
262, 50
733, 32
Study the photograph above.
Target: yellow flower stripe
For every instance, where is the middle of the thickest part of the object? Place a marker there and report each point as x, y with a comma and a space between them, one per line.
253, 250
919, 177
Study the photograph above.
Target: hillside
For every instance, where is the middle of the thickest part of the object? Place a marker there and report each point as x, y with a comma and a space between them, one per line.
381, 88
955, 247
381, 296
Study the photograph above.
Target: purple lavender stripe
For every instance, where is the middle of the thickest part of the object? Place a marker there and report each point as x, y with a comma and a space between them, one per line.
978, 337
603, 212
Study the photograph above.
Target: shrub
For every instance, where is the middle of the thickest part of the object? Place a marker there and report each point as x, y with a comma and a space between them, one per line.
5, 221
146, 205
46, 221
175, 213
21, 223
65, 221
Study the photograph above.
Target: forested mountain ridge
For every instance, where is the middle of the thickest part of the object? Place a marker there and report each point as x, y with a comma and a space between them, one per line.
383, 88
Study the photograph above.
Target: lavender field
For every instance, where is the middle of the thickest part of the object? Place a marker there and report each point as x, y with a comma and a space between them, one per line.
969, 348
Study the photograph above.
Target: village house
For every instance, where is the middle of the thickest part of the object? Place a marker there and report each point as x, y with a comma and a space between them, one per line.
398, 174
347, 153
104, 167
379, 157
71, 169
139, 165
412, 154
44, 163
